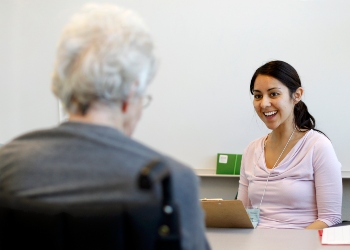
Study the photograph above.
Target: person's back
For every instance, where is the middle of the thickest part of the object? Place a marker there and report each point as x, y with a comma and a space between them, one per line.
77, 163
104, 63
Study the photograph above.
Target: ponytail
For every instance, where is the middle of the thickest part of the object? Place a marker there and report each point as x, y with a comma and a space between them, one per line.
303, 119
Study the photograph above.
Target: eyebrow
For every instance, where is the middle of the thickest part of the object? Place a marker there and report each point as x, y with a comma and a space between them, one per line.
255, 90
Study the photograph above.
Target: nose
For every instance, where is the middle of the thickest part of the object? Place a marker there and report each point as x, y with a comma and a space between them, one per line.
265, 102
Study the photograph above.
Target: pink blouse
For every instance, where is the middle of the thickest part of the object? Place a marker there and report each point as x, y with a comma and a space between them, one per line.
304, 187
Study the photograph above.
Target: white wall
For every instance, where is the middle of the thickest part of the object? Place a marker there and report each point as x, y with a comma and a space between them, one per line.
208, 51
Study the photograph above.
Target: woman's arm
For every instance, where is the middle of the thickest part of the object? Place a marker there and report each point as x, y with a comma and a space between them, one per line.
328, 184
243, 184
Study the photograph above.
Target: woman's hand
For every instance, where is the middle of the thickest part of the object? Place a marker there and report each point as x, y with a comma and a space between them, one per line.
317, 225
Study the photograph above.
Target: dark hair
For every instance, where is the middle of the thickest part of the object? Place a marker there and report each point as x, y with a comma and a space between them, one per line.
286, 74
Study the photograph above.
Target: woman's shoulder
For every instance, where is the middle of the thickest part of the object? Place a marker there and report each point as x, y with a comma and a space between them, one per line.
318, 141
257, 143
322, 149
317, 137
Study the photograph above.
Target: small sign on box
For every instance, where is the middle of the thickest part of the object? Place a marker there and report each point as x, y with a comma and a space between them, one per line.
228, 164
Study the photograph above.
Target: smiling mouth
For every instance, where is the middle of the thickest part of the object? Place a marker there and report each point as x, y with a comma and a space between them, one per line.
268, 114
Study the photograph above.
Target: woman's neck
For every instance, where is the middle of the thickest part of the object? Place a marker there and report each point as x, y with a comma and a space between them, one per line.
281, 134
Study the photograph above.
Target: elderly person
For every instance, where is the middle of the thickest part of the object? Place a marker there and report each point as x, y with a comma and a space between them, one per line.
105, 61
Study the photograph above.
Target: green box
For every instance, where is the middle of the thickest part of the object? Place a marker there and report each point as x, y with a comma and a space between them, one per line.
228, 164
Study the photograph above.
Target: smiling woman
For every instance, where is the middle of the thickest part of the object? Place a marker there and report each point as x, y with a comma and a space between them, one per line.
294, 169
282, 77
272, 101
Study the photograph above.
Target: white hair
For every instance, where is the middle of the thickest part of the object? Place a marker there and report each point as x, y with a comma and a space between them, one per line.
102, 51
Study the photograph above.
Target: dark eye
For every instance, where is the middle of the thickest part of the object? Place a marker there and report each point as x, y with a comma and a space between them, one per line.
274, 94
257, 96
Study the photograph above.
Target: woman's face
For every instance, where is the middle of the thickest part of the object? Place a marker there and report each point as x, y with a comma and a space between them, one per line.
272, 102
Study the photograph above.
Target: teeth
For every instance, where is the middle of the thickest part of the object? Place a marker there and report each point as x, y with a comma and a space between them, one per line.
270, 113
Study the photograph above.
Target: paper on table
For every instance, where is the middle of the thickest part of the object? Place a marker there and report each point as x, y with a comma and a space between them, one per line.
336, 235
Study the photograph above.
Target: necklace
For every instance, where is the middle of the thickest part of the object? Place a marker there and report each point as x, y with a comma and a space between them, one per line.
275, 165
283, 149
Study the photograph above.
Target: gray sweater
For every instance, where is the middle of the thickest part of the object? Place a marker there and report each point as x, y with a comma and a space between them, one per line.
77, 162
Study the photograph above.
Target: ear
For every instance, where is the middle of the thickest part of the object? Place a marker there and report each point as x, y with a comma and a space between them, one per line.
125, 105
298, 95
130, 97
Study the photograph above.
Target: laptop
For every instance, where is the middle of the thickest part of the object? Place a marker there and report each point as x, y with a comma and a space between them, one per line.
227, 214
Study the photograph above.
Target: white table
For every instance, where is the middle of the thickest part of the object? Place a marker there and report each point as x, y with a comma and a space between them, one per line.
267, 239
